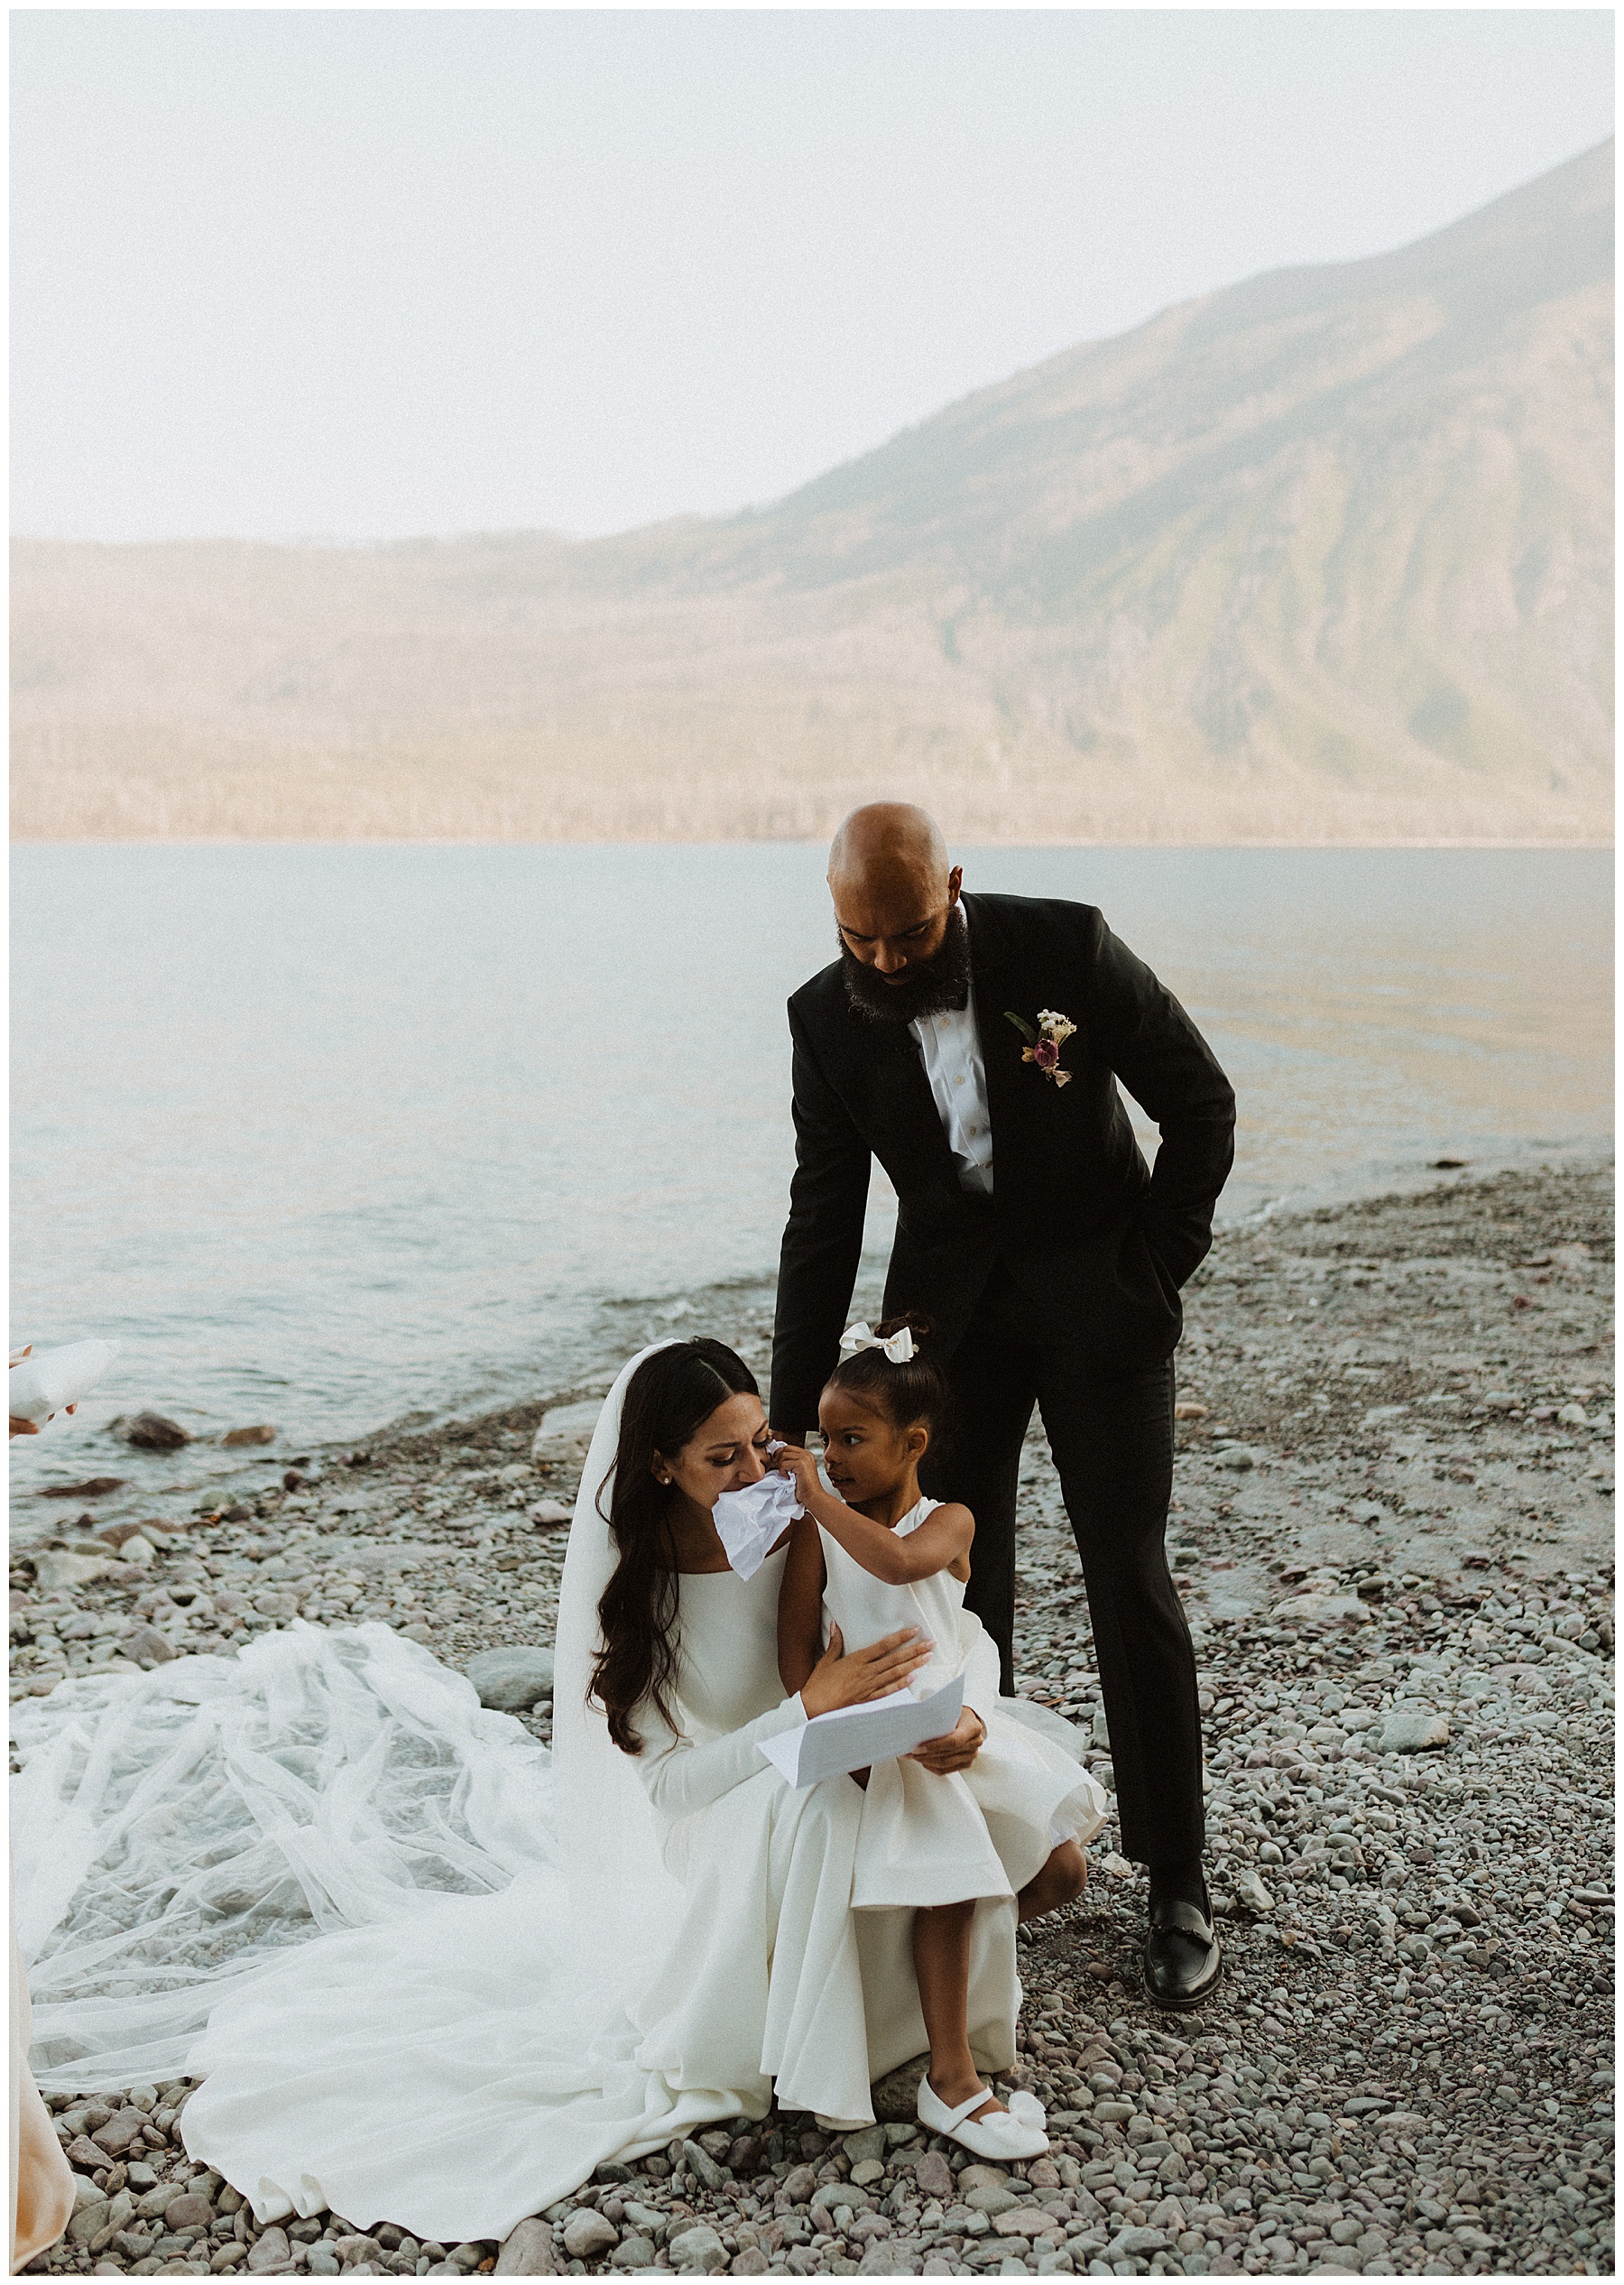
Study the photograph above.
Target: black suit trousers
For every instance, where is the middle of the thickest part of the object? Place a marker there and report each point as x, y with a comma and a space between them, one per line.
1112, 1444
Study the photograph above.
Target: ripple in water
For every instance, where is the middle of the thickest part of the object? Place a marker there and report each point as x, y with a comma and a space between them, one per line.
327, 1135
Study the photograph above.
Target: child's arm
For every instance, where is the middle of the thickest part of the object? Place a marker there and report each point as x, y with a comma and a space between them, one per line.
801, 1606
941, 1540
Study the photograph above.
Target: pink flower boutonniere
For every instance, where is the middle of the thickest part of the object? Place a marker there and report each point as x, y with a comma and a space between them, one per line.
1044, 1041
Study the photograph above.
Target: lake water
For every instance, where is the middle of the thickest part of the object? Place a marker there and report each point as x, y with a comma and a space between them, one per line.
329, 1134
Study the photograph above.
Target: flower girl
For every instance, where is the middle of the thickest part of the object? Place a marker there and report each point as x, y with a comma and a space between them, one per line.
994, 1809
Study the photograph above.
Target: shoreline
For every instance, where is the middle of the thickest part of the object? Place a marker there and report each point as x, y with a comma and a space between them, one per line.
1392, 1532
620, 1324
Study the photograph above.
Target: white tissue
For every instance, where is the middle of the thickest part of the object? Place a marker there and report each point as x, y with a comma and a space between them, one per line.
52, 1379
751, 1523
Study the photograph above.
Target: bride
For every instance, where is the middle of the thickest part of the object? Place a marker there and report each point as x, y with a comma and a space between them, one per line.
521, 1964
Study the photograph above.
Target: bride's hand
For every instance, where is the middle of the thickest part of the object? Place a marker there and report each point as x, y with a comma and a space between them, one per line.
839, 1679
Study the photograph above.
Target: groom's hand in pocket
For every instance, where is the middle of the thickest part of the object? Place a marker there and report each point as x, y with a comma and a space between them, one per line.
852, 1679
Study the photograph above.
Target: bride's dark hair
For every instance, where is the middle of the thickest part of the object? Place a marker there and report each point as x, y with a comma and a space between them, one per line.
667, 1399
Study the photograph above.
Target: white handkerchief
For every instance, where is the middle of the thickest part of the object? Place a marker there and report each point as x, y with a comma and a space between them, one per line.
750, 1524
52, 1379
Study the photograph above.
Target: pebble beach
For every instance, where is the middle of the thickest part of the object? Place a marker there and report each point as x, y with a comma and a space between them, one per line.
1392, 1529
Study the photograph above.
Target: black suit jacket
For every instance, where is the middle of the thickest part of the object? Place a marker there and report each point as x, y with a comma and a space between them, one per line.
1100, 1245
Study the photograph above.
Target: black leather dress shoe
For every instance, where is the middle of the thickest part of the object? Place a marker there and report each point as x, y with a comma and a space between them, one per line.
1183, 1961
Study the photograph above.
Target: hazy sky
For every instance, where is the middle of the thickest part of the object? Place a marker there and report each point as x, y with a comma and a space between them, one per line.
284, 272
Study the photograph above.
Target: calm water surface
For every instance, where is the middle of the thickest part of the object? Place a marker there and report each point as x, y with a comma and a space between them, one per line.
329, 1134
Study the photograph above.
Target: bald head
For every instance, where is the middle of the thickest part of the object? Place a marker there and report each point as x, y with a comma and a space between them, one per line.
892, 887
889, 843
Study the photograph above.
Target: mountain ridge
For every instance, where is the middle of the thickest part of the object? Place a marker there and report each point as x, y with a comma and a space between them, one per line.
1322, 555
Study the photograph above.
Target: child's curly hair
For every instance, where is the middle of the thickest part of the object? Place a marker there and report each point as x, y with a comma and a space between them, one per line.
901, 1393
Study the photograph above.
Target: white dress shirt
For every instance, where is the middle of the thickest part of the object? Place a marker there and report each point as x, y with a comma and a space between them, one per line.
951, 1046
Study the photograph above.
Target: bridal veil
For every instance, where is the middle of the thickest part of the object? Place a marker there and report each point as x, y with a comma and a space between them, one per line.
393, 1935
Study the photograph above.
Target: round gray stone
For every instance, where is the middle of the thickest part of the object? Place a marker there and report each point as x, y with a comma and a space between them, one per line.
509, 1680
699, 2251
587, 2235
1412, 1729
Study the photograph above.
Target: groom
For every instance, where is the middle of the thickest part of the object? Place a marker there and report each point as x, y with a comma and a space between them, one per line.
973, 1045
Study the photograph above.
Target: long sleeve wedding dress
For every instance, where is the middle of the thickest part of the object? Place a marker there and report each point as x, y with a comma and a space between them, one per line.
429, 1971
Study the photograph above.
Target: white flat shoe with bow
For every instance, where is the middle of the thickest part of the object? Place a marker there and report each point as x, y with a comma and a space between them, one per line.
1017, 2133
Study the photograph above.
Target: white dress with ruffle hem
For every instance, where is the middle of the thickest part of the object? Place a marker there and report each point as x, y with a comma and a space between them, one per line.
931, 1839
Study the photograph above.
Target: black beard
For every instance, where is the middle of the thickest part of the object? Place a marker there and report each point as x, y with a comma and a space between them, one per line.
931, 987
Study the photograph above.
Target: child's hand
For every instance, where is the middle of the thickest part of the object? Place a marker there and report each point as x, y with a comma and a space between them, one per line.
795, 1461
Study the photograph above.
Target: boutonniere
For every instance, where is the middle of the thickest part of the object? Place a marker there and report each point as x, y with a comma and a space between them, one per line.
1044, 1043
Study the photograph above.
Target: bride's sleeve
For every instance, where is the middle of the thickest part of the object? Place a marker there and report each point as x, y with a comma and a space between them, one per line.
680, 1777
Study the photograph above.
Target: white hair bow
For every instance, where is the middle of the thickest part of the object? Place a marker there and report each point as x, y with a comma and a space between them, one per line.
898, 1348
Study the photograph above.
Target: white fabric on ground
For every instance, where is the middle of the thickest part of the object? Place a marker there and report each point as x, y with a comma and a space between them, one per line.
173, 1833
431, 1974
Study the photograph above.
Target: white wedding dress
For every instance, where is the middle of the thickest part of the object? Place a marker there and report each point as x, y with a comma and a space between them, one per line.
429, 1971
